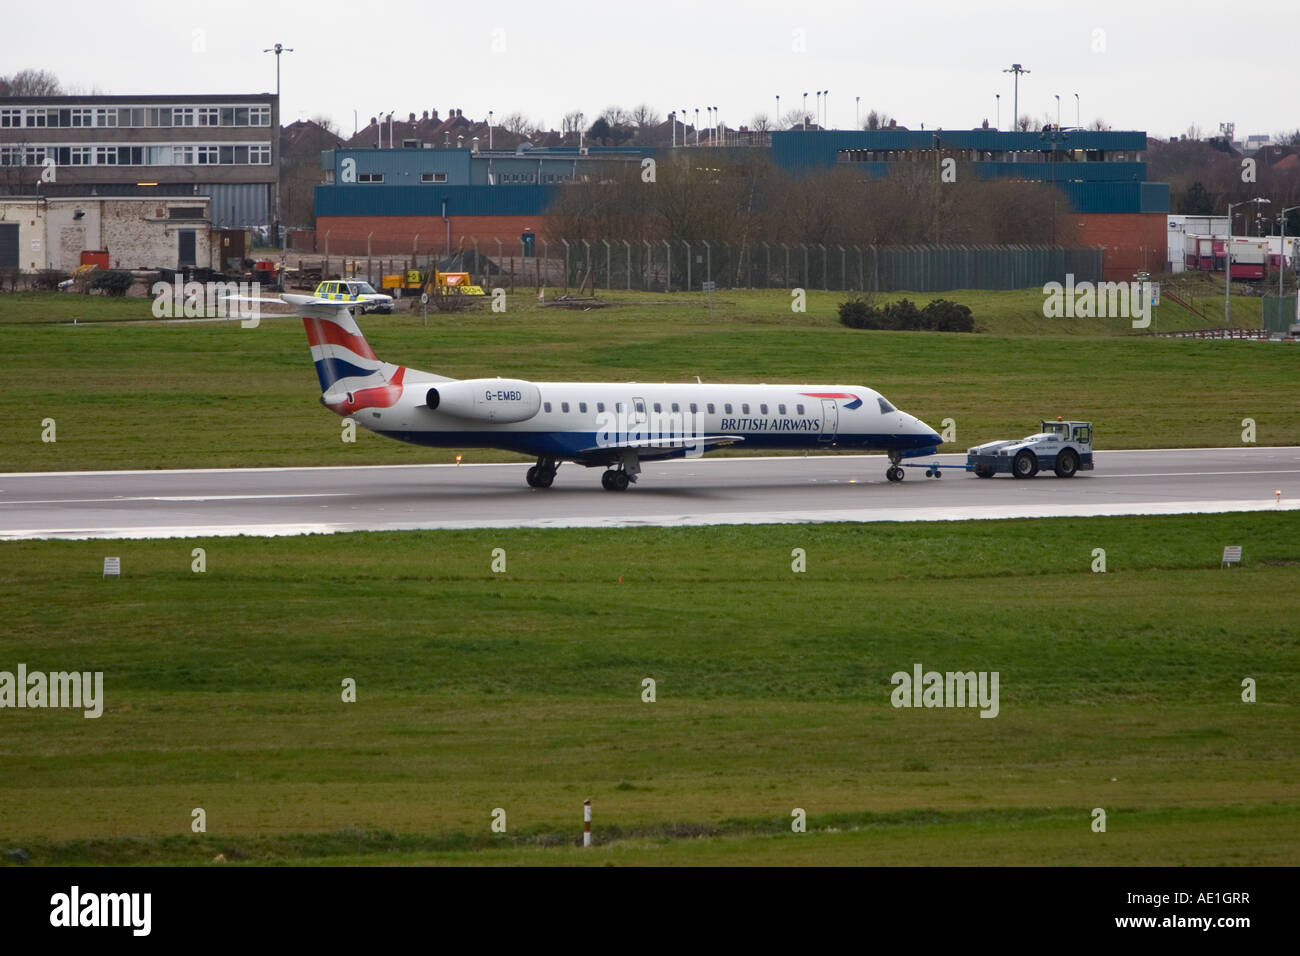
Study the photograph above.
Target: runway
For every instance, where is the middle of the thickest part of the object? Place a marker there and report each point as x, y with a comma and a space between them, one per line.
280, 501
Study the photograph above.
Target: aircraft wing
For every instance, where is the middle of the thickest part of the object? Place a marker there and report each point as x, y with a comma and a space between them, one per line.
670, 445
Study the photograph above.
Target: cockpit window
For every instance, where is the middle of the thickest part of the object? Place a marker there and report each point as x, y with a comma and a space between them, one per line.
885, 407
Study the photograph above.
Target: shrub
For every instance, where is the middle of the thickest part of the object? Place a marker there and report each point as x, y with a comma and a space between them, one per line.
47, 280
940, 315
113, 281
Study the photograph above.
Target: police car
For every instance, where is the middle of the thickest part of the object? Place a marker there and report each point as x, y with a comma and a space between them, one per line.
355, 290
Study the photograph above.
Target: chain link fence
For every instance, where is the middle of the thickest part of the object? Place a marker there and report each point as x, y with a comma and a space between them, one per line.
684, 265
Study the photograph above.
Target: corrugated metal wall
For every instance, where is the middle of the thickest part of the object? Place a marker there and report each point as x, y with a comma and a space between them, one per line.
361, 200
238, 205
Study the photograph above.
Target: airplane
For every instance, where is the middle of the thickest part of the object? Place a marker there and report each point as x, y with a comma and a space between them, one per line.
595, 424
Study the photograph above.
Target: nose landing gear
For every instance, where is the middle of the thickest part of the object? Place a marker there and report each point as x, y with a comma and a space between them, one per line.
895, 471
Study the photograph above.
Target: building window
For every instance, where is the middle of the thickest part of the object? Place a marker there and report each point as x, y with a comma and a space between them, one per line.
182, 155
82, 117
370, 177
36, 117
208, 155
130, 156
181, 116
184, 212
11, 118
207, 115
433, 177
258, 115
34, 155
80, 156
261, 156
11, 156
105, 155
106, 117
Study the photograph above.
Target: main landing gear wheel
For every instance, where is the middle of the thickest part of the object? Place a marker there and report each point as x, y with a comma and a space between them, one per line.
1067, 463
541, 475
614, 480
1025, 464
894, 473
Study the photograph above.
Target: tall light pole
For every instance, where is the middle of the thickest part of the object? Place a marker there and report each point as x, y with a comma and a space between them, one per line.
818, 107
489, 129
1281, 252
857, 112
275, 143
1017, 69
672, 121
805, 111
777, 124
826, 109
1227, 258
1058, 109
697, 126
1077, 118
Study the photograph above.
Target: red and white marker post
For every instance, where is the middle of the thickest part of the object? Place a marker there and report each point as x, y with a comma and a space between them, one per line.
586, 823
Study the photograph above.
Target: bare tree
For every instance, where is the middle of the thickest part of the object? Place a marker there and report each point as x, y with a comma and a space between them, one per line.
877, 119
517, 123
795, 118
326, 123
646, 117
615, 116
1027, 124
30, 82
760, 123
573, 122
1098, 124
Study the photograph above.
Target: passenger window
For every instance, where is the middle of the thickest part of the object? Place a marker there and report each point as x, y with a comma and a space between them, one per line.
676, 407
694, 408
727, 407
710, 408
619, 407
798, 409
582, 407
639, 404
564, 407
780, 409
658, 408
600, 406
744, 408
546, 406
762, 409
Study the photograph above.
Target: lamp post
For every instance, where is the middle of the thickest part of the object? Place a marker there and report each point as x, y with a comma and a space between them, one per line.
1077, 121
697, 126
1227, 259
998, 98
818, 107
1281, 251
857, 112
777, 124
805, 111
275, 142
826, 109
489, 129
1058, 109
1017, 69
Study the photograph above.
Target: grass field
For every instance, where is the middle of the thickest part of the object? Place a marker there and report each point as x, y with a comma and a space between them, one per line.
523, 691
217, 395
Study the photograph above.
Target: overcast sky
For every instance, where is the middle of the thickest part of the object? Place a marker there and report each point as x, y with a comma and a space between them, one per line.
1156, 66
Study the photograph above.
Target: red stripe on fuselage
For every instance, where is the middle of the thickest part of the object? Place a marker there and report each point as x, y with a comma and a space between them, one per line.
325, 332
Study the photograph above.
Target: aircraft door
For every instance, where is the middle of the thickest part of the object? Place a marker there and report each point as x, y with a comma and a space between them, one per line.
830, 420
